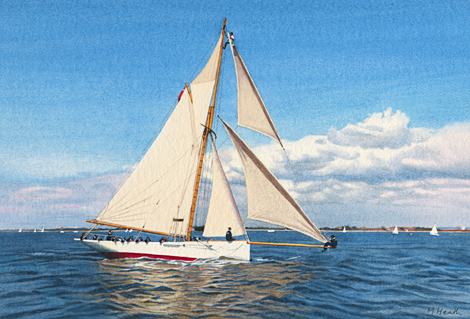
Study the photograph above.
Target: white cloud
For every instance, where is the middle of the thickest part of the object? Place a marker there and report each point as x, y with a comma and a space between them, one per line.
372, 173
377, 162
380, 130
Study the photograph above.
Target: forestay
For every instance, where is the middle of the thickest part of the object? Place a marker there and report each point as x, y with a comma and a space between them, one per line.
160, 190
267, 199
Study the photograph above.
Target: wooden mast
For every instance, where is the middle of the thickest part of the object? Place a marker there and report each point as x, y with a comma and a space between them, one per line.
207, 130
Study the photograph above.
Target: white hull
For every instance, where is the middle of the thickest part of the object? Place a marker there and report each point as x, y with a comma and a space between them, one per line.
185, 251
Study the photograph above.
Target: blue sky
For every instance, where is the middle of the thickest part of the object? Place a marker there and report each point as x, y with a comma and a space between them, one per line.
381, 86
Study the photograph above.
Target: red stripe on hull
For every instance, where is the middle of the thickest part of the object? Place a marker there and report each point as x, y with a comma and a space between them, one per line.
116, 255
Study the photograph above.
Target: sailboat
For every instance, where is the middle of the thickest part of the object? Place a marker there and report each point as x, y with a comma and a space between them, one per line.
395, 231
34, 230
344, 229
161, 195
21, 229
434, 231
42, 230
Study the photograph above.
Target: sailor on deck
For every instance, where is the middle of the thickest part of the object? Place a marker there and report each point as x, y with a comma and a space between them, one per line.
331, 243
228, 234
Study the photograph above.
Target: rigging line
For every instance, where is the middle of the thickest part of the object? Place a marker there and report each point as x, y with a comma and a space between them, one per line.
206, 185
223, 142
201, 198
298, 182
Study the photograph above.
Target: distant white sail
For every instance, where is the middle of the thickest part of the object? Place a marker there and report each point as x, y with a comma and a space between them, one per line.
223, 211
268, 200
434, 231
21, 229
344, 229
395, 231
252, 112
159, 192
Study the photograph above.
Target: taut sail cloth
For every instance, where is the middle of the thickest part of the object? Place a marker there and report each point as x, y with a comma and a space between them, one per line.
268, 200
252, 112
158, 195
223, 211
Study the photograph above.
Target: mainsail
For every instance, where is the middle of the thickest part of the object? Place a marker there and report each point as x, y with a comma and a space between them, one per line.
223, 211
268, 200
252, 112
158, 195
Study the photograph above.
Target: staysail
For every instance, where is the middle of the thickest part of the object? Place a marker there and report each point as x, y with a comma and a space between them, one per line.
158, 195
268, 200
223, 211
252, 112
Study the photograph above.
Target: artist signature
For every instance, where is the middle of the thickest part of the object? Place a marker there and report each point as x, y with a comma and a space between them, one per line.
441, 311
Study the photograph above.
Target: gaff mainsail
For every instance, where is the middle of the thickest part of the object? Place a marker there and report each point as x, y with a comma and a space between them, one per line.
158, 195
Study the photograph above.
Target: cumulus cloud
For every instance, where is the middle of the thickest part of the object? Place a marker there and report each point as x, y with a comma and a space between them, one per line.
380, 149
370, 173
380, 161
380, 130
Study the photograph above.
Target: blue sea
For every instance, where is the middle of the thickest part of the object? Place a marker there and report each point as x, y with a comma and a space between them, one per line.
369, 275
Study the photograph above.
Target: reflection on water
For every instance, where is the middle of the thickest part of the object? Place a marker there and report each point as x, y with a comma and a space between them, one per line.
219, 288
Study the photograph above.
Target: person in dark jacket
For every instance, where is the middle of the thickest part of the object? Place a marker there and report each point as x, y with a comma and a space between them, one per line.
228, 234
110, 235
331, 243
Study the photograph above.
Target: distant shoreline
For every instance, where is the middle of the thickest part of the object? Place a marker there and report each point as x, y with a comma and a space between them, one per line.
410, 230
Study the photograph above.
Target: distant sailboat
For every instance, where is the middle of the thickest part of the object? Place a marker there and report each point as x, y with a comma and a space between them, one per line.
34, 230
21, 229
395, 231
344, 229
434, 231
42, 231
162, 193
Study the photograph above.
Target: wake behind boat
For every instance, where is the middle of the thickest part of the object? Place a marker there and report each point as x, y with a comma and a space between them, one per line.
161, 196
